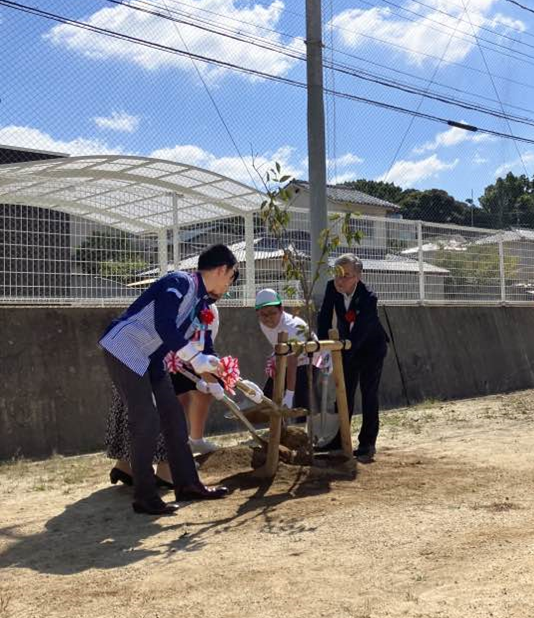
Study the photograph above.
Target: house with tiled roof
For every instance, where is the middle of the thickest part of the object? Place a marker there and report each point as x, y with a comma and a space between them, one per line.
393, 277
340, 199
344, 199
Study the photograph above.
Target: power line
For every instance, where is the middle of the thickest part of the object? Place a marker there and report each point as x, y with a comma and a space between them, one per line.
440, 84
226, 17
497, 95
340, 28
417, 52
432, 95
480, 26
283, 49
421, 53
226, 32
249, 71
346, 69
412, 119
521, 6
217, 110
426, 18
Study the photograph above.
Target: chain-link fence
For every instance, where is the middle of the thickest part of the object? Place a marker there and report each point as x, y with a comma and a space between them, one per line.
51, 257
221, 84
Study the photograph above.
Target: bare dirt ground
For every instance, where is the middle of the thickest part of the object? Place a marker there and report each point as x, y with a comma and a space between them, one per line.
441, 525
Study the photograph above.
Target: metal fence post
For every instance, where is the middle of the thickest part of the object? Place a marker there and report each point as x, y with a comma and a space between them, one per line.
163, 252
421, 264
501, 271
250, 265
175, 233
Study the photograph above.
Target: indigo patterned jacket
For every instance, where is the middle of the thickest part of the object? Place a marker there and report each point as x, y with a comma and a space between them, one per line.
164, 318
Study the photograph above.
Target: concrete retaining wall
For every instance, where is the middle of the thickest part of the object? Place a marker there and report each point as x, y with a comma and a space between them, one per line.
55, 390
458, 352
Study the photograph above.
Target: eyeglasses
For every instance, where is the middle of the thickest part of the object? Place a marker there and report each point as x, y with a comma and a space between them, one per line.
344, 277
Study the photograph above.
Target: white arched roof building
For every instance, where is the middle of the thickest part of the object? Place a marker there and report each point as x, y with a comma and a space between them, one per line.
135, 194
131, 193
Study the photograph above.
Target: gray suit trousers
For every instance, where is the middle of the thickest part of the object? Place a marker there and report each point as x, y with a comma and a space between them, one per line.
145, 420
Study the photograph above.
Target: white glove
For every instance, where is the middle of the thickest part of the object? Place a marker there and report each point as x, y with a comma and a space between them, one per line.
189, 350
257, 395
205, 363
287, 401
201, 363
211, 388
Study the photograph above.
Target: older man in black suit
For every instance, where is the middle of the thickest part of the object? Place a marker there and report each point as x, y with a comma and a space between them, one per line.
355, 306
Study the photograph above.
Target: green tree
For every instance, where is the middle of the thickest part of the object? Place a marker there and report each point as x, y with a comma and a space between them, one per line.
297, 264
431, 205
112, 254
377, 188
478, 265
434, 205
509, 202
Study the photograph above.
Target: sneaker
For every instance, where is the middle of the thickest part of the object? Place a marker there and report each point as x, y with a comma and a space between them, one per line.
202, 446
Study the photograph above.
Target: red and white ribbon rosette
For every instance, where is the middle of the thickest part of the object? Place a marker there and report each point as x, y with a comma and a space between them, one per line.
270, 367
229, 373
229, 369
350, 316
207, 316
173, 363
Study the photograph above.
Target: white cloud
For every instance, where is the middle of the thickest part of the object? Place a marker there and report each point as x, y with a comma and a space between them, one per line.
232, 166
345, 160
408, 173
343, 163
118, 121
345, 166
28, 137
421, 36
508, 23
517, 165
478, 159
452, 137
253, 19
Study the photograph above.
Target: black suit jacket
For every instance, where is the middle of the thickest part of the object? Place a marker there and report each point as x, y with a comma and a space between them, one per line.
367, 335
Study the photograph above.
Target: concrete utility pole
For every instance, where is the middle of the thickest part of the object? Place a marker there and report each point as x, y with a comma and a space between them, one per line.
316, 136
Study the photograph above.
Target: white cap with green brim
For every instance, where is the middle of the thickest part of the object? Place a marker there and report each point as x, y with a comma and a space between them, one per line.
267, 298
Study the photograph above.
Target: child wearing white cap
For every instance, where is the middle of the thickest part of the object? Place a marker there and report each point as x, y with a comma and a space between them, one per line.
273, 320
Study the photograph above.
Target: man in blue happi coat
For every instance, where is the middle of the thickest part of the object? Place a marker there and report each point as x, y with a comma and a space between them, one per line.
166, 318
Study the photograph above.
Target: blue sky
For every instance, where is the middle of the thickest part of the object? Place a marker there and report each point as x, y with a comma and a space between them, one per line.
69, 90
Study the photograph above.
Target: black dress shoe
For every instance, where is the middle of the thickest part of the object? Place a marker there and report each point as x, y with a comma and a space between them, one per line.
117, 475
163, 483
365, 454
154, 507
199, 491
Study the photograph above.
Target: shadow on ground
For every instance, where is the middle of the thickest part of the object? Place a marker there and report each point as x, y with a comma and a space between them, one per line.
101, 531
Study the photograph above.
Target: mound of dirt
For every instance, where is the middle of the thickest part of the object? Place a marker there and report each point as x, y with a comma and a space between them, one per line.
243, 462
227, 461
294, 438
